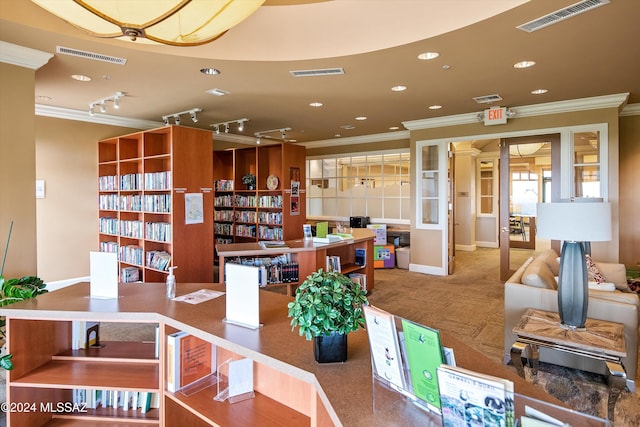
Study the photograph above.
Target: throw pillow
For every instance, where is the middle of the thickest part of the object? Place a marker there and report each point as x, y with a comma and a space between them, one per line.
539, 275
594, 272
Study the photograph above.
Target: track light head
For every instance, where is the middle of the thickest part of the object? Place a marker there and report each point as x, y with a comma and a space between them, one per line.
217, 130
226, 128
176, 119
116, 102
258, 140
283, 133
103, 109
91, 112
194, 119
240, 125
165, 119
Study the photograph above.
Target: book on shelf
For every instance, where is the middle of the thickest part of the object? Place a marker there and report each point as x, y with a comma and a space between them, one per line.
360, 257
360, 279
469, 397
333, 263
424, 356
189, 360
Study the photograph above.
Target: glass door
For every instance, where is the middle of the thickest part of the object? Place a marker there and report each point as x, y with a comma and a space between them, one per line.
529, 167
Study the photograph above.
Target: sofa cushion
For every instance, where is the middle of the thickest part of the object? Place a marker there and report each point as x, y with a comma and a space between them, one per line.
539, 275
550, 257
624, 297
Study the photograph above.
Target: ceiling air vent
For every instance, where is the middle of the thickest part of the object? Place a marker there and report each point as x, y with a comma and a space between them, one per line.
487, 99
320, 72
562, 14
90, 55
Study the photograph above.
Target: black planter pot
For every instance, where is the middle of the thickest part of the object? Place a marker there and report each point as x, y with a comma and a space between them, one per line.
330, 348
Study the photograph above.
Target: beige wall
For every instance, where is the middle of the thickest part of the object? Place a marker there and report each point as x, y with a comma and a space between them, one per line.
17, 170
67, 160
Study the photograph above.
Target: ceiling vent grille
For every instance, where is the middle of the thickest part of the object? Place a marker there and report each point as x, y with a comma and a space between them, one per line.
319, 72
90, 55
487, 99
562, 14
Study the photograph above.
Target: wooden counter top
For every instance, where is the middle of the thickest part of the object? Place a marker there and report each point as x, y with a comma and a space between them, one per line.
345, 389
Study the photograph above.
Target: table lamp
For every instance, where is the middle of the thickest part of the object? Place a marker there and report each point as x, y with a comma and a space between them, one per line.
574, 222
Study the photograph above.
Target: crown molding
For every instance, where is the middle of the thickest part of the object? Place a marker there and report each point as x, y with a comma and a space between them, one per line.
582, 104
630, 110
363, 139
23, 56
105, 119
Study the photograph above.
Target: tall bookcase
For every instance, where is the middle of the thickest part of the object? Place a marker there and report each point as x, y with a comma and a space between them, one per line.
155, 203
274, 209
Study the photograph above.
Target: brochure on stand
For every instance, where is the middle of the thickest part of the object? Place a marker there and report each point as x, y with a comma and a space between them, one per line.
103, 267
243, 295
424, 354
385, 352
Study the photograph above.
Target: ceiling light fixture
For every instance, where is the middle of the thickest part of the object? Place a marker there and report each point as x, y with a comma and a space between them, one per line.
102, 103
265, 134
435, 107
226, 126
425, 56
81, 77
316, 104
539, 91
176, 116
176, 23
210, 71
361, 118
399, 88
524, 64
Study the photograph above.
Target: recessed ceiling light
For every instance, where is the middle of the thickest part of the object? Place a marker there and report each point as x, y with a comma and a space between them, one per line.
217, 92
399, 88
428, 55
316, 104
524, 64
539, 91
81, 77
337, 135
360, 118
209, 71
435, 107
394, 128
348, 127
43, 98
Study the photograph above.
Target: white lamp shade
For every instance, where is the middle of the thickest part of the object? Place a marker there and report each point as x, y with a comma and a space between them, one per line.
574, 221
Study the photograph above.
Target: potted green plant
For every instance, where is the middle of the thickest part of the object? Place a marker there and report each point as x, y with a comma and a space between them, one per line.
250, 181
14, 290
327, 306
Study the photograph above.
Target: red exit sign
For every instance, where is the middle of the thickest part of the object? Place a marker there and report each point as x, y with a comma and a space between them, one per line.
495, 116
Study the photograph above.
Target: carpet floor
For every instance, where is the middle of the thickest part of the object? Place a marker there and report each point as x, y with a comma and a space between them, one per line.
469, 304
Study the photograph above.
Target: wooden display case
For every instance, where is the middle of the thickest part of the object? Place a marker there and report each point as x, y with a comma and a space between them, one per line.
268, 211
147, 184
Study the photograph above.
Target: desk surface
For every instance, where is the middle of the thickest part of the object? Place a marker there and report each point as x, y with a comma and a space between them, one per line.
599, 336
344, 388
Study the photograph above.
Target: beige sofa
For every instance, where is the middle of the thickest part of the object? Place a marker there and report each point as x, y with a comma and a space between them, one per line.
534, 285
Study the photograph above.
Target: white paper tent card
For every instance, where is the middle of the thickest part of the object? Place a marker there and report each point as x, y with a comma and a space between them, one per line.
104, 274
243, 291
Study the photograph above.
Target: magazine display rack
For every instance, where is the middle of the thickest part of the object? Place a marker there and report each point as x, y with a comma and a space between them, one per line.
414, 378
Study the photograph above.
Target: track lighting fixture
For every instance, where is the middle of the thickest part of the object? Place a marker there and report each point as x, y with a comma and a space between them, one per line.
226, 126
265, 134
102, 103
176, 116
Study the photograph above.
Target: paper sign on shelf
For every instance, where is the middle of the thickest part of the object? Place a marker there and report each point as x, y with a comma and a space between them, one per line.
243, 291
104, 274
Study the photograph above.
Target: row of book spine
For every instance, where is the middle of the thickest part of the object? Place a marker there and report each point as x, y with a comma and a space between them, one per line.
270, 233
125, 400
158, 231
223, 215
158, 260
135, 181
223, 185
270, 201
156, 203
129, 274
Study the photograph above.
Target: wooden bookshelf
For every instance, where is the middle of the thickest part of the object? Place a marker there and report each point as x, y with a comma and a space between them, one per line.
145, 181
262, 213
308, 255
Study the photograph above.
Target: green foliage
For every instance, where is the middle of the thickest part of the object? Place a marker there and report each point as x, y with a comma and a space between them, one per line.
327, 302
14, 290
